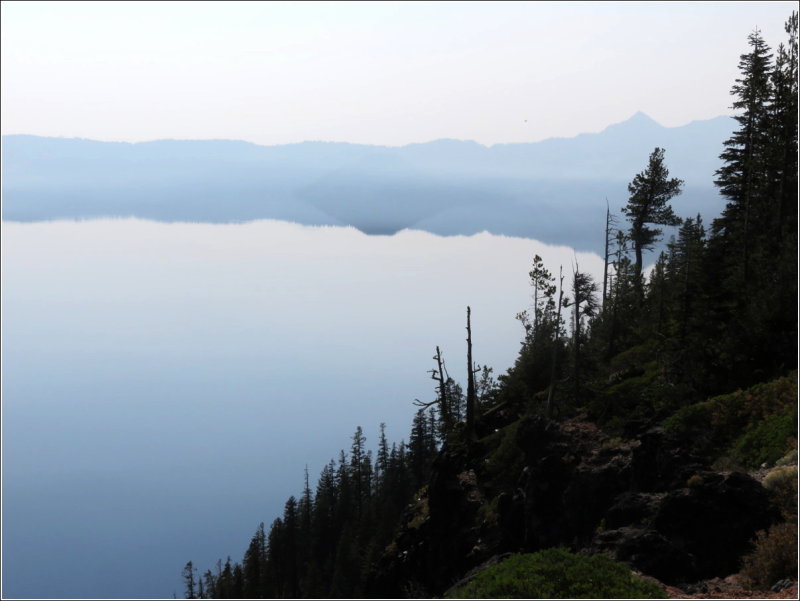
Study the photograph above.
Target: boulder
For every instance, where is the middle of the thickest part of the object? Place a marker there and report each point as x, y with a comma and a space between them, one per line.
715, 520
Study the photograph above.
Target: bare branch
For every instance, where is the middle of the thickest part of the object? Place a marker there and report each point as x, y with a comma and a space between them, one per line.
419, 403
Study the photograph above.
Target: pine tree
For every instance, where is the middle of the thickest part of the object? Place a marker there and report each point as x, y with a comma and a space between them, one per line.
584, 304
544, 288
624, 296
455, 400
288, 557
237, 588
530, 374
357, 471
742, 179
486, 386
225, 580
658, 294
189, 581
305, 538
210, 585
382, 460
324, 530
254, 563
783, 134
753, 246
686, 265
650, 192
418, 446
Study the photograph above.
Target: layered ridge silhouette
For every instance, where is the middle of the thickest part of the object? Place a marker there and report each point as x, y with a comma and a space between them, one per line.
554, 190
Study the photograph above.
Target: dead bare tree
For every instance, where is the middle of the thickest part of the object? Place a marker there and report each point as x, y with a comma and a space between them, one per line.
584, 304
556, 335
440, 376
471, 370
611, 223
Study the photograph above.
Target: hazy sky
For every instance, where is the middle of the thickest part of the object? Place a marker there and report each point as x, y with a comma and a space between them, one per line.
382, 73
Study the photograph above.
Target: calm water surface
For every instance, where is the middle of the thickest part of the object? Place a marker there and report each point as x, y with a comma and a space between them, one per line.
164, 385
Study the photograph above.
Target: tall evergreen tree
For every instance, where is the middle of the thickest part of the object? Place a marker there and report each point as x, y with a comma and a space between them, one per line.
742, 179
382, 459
745, 150
686, 267
189, 580
418, 446
254, 564
584, 305
783, 133
357, 471
753, 246
650, 192
210, 585
544, 288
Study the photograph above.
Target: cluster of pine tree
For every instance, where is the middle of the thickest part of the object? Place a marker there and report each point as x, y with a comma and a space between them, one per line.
325, 542
717, 312
718, 309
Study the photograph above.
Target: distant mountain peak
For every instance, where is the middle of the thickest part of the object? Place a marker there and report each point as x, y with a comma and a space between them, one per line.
640, 117
638, 120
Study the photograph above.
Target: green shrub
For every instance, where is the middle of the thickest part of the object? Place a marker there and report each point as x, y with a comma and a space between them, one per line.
774, 556
767, 442
715, 425
692, 424
695, 481
782, 486
557, 574
789, 459
504, 461
635, 397
689, 420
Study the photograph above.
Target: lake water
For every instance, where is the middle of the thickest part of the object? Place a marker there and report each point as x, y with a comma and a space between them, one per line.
164, 385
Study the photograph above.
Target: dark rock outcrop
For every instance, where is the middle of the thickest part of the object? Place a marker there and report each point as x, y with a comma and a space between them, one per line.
660, 464
715, 519
643, 501
648, 551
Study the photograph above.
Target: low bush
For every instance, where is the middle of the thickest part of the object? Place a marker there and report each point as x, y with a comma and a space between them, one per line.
770, 440
715, 425
774, 556
504, 461
789, 459
557, 574
638, 396
782, 486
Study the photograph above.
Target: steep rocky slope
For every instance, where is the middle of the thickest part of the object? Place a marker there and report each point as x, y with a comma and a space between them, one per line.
536, 483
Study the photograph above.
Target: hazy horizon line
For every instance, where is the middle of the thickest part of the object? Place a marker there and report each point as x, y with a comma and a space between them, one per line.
308, 141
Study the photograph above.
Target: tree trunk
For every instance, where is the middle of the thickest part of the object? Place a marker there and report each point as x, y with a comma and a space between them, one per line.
551, 391
638, 250
444, 406
470, 381
605, 254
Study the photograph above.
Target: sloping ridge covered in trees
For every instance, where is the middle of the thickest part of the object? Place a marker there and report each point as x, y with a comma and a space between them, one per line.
652, 419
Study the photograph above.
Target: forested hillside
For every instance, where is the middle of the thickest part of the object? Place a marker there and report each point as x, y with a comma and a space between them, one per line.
650, 417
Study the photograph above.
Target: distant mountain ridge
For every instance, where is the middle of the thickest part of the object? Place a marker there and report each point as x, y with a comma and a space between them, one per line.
554, 190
